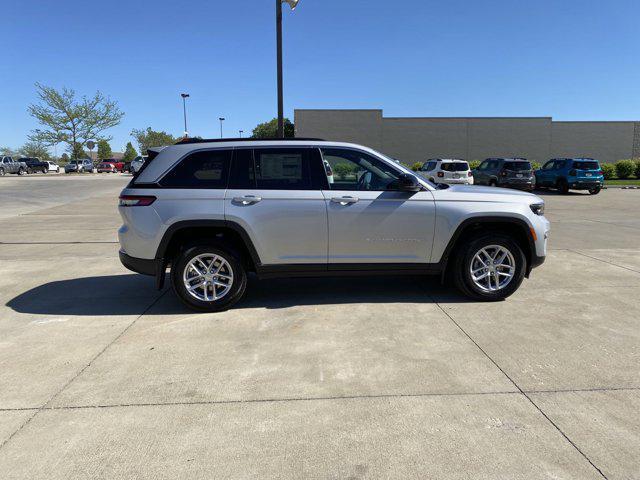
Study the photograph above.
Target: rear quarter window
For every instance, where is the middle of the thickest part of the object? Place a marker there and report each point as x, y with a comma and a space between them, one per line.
204, 169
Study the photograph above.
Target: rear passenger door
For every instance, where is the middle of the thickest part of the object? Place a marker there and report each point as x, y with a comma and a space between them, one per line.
274, 194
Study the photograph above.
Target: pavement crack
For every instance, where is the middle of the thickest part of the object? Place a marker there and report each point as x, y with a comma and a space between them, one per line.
45, 406
603, 261
525, 394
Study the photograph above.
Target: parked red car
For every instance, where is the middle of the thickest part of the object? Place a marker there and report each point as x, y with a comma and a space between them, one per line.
117, 163
107, 167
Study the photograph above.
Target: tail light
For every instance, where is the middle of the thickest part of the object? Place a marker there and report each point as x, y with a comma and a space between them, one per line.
599, 172
470, 174
441, 174
136, 200
573, 172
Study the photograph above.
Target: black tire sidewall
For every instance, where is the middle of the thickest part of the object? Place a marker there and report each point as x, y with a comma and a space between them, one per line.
595, 191
239, 274
462, 275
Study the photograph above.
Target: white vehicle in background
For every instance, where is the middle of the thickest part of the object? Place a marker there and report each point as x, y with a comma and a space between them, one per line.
53, 166
136, 163
451, 171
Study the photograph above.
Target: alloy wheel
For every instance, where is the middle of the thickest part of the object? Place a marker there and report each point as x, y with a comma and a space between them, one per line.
492, 268
208, 277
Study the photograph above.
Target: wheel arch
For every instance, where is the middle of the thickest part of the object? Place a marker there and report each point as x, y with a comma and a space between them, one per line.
192, 231
519, 229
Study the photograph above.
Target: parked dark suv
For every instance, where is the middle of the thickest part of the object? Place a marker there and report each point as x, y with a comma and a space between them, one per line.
505, 172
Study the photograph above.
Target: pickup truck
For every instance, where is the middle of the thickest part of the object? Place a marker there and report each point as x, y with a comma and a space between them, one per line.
9, 165
35, 165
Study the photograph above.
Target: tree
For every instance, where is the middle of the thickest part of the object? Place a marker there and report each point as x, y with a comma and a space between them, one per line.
35, 149
64, 158
270, 129
71, 120
343, 170
151, 138
104, 150
129, 153
77, 151
10, 152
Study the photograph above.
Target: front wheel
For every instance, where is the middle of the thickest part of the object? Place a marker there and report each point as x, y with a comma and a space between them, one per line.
1, 172
45, 170
21, 171
489, 268
208, 278
595, 190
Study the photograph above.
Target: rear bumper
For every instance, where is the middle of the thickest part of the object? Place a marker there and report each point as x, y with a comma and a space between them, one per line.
585, 184
526, 184
140, 265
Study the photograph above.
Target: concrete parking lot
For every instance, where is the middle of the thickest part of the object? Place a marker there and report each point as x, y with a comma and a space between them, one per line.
104, 377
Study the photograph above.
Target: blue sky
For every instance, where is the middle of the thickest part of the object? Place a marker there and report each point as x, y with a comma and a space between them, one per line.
570, 59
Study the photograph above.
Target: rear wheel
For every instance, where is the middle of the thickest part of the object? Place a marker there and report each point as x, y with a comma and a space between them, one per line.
489, 268
45, 169
595, 190
493, 183
21, 171
208, 278
29, 171
1, 172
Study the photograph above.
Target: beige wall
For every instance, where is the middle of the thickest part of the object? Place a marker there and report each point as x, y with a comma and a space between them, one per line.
417, 139
606, 141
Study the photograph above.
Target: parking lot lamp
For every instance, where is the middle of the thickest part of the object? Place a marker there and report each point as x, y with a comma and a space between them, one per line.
184, 111
221, 120
292, 4
240, 131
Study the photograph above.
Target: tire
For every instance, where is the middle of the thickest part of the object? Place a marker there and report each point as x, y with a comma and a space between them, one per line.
29, 171
21, 171
594, 191
493, 183
465, 260
233, 267
45, 170
562, 186
57, 170
1, 172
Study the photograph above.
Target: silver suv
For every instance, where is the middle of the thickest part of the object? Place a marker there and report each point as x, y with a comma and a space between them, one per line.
213, 211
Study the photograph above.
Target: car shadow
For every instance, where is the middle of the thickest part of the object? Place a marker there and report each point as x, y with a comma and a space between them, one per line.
133, 294
555, 193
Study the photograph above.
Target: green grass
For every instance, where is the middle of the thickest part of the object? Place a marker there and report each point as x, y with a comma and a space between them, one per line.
628, 181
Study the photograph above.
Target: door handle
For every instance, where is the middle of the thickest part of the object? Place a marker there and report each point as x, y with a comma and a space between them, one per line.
247, 199
344, 200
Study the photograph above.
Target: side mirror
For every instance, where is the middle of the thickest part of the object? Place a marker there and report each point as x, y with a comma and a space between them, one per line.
408, 183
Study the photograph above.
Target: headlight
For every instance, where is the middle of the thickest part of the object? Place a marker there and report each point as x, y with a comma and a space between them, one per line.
537, 208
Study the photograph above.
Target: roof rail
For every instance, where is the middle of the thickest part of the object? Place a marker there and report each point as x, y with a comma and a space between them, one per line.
249, 139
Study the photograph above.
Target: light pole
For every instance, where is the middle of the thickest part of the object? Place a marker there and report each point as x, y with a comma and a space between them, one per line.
221, 120
292, 4
184, 111
240, 131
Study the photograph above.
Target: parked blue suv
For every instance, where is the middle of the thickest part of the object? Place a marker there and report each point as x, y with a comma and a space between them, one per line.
571, 174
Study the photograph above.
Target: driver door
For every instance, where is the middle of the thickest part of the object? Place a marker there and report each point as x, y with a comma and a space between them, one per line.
370, 221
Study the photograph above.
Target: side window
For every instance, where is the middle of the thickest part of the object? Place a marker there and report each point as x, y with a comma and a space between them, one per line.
549, 165
559, 165
483, 165
355, 170
429, 166
205, 169
282, 169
